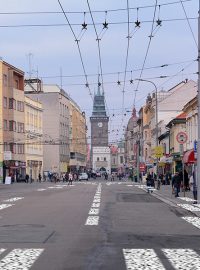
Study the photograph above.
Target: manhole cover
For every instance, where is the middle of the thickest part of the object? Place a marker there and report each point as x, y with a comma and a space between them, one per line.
137, 198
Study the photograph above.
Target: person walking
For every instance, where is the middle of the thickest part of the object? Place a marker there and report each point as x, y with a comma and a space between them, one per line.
193, 185
27, 178
70, 179
176, 183
112, 176
39, 178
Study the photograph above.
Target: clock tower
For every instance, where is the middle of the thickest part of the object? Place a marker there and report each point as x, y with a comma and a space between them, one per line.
99, 121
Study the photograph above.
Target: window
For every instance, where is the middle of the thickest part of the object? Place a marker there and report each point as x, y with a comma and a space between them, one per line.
20, 148
5, 102
5, 80
12, 103
105, 159
121, 159
5, 124
12, 126
13, 148
20, 106
97, 158
6, 147
113, 160
20, 127
16, 84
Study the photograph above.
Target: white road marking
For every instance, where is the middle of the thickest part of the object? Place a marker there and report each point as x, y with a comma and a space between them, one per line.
20, 259
183, 259
189, 207
92, 220
94, 211
193, 220
3, 206
97, 200
142, 259
186, 199
41, 189
96, 205
14, 199
2, 250
129, 185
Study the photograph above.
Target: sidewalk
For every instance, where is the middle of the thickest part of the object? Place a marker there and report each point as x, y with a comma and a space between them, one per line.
165, 195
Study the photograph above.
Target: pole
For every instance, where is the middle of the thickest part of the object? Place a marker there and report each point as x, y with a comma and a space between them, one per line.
197, 176
138, 161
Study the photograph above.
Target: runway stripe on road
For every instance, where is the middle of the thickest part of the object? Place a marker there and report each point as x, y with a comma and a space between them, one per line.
142, 259
189, 207
193, 220
92, 220
183, 259
3, 206
14, 199
20, 259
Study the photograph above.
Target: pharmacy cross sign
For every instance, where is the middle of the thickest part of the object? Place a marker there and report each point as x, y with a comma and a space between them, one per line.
181, 137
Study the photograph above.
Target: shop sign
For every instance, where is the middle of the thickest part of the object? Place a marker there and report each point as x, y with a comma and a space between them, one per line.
158, 151
7, 155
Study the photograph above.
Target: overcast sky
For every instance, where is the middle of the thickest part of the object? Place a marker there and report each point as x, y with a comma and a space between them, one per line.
54, 47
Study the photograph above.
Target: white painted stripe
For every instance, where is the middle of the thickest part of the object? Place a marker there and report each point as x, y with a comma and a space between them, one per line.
129, 185
189, 207
14, 199
3, 206
92, 220
183, 259
20, 259
94, 211
97, 200
2, 250
193, 220
41, 189
186, 199
142, 259
96, 205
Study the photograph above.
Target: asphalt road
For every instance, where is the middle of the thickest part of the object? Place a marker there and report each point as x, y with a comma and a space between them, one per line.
91, 226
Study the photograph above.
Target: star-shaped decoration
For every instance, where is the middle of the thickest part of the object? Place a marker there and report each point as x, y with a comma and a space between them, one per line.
159, 22
87, 84
131, 81
84, 25
118, 82
105, 25
99, 84
137, 23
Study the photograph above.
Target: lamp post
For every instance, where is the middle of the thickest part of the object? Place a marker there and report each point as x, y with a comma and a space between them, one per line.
156, 116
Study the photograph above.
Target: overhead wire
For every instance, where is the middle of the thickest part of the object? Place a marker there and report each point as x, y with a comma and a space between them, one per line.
79, 49
184, 10
147, 51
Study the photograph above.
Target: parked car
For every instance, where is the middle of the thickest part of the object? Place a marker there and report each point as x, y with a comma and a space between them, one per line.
83, 176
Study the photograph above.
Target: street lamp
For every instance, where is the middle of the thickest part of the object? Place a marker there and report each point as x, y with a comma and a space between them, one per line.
156, 116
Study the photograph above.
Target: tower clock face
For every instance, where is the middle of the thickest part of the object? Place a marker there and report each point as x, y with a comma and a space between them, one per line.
100, 124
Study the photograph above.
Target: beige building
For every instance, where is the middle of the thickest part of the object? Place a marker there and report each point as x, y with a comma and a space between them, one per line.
77, 135
34, 137
12, 136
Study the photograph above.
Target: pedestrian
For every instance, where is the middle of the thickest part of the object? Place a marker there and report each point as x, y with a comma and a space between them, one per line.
149, 182
66, 178
193, 185
70, 179
39, 177
112, 176
186, 181
176, 183
27, 178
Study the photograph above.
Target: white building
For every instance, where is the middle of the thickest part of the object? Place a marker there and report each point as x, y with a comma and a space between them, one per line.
101, 158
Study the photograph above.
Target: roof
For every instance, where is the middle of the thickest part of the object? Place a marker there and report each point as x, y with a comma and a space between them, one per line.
181, 116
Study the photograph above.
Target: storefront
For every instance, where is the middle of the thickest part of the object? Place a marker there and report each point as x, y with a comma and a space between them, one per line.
16, 169
190, 161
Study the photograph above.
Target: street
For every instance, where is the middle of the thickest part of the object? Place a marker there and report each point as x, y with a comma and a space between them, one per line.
94, 225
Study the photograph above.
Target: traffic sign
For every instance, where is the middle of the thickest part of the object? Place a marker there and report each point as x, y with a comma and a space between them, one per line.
181, 137
157, 151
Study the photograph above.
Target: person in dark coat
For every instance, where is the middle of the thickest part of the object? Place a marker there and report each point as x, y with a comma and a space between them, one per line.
176, 183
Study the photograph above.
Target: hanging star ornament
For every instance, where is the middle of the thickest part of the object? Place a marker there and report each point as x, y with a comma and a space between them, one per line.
87, 84
159, 22
118, 82
131, 81
84, 26
105, 25
99, 84
137, 23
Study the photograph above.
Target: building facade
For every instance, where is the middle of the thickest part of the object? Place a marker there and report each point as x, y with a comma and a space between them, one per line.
12, 136
34, 138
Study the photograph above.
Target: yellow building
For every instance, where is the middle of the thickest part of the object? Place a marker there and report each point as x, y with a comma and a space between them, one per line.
77, 130
34, 137
12, 138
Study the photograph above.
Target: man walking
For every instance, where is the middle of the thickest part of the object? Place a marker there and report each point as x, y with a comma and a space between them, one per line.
39, 177
176, 184
70, 179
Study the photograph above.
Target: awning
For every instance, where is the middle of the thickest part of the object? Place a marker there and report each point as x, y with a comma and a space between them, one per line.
165, 159
189, 157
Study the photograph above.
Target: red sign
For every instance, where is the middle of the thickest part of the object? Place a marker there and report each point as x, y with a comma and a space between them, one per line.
142, 167
181, 137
